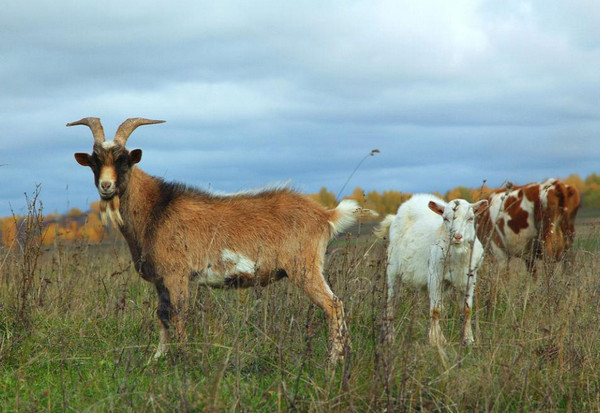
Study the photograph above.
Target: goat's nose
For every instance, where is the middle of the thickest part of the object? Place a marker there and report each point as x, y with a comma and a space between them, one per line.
105, 185
458, 237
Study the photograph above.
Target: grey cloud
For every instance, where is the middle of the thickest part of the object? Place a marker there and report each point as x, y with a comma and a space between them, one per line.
259, 92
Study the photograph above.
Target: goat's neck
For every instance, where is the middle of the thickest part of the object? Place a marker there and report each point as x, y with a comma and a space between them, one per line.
443, 238
137, 204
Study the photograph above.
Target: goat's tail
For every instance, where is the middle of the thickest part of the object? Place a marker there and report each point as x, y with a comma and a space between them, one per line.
347, 213
383, 228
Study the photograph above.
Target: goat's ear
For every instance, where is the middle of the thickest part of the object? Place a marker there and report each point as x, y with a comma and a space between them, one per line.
437, 208
135, 156
481, 206
82, 159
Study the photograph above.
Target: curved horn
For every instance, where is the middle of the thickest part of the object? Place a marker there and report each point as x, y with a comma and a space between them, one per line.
96, 127
127, 127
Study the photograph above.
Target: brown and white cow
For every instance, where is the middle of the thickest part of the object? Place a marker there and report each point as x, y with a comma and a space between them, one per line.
528, 221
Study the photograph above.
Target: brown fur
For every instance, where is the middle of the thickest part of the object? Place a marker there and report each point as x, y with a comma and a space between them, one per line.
175, 233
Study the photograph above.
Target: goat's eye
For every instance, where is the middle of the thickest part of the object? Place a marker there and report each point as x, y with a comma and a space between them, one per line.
471, 219
93, 161
446, 219
121, 160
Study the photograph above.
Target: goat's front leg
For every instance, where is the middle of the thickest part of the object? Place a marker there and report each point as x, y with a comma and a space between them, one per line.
434, 286
172, 309
163, 312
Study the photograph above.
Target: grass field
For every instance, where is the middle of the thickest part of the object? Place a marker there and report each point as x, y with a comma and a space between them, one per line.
78, 327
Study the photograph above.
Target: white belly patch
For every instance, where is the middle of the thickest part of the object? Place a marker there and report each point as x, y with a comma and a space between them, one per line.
219, 274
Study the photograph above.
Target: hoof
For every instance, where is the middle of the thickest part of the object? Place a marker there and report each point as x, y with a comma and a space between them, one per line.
437, 340
467, 341
161, 351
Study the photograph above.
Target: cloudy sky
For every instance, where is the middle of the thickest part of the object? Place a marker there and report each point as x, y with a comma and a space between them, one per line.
259, 92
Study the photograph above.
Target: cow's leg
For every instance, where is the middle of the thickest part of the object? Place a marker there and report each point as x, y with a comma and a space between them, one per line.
531, 266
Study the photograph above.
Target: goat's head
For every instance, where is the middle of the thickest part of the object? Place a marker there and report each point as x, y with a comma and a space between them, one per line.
459, 219
111, 162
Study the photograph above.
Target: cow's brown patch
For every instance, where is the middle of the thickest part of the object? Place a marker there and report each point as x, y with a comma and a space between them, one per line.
486, 231
518, 216
532, 192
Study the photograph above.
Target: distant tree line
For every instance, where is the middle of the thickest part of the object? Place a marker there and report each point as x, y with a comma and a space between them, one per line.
79, 225
387, 202
75, 225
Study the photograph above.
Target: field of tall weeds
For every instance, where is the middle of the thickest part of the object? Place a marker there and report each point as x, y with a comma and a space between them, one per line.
78, 329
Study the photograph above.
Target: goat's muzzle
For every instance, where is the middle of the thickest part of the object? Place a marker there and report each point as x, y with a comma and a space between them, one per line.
106, 190
457, 239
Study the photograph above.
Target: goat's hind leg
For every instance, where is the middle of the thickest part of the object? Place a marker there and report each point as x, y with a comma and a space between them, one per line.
388, 320
315, 286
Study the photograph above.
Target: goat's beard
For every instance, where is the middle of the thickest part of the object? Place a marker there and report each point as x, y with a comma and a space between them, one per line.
109, 209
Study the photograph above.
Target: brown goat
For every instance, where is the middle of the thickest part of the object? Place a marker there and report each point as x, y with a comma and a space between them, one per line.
176, 233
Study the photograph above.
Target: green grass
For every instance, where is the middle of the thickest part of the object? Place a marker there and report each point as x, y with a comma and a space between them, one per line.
89, 329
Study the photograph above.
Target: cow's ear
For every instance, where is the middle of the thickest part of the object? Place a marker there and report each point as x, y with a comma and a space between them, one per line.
481, 206
437, 208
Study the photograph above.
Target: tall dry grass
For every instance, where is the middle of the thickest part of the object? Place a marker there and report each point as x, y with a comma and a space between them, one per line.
78, 327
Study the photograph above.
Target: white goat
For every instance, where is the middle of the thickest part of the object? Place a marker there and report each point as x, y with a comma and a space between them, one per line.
428, 249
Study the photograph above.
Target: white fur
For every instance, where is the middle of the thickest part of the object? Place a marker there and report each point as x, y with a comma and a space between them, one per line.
108, 144
426, 249
346, 216
232, 263
275, 186
242, 263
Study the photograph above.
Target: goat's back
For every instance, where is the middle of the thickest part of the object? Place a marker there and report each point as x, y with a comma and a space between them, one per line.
414, 218
271, 227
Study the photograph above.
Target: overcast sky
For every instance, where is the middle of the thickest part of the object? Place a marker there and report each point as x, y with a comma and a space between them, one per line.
259, 92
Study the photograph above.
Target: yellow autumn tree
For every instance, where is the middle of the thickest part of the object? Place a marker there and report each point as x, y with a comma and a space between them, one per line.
325, 198
591, 193
358, 195
94, 229
49, 233
460, 192
374, 201
575, 181
95, 207
9, 231
74, 213
392, 200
